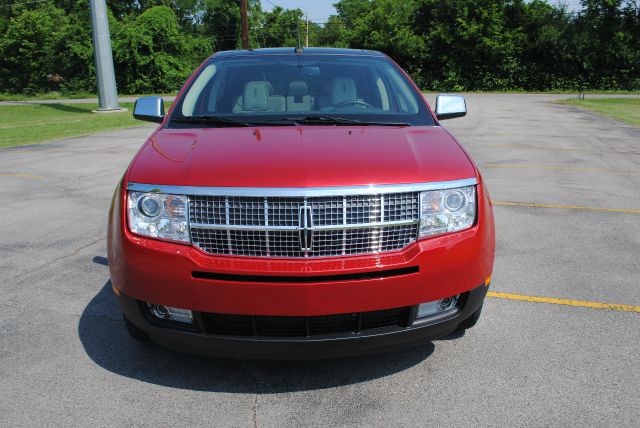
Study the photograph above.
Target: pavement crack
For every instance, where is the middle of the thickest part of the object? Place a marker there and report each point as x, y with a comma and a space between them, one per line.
55, 260
256, 382
255, 410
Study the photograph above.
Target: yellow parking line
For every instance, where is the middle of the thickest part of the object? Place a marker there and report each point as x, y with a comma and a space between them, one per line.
20, 175
566, 302
565, 149
566, 207
561, 168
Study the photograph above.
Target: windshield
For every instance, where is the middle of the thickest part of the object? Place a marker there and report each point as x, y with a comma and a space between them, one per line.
285, 89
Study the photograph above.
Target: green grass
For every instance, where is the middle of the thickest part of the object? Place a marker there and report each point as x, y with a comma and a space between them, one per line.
34, 123
550, 91
4, 96
626, 110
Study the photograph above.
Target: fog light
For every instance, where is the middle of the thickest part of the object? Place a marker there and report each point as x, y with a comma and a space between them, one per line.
169, 313
437, 306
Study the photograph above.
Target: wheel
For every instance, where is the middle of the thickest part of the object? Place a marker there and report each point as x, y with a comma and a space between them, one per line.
471, 321
135, 332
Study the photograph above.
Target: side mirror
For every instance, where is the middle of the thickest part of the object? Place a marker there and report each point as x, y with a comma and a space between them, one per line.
150, 109
450, 106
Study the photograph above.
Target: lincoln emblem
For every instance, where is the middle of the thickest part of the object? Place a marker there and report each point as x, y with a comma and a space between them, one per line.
305, 225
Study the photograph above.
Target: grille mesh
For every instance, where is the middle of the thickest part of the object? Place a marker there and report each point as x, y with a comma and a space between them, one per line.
291, 326
271, 226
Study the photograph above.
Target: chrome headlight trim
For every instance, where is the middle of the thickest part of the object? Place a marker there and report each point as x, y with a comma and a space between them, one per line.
447, 210
170, 224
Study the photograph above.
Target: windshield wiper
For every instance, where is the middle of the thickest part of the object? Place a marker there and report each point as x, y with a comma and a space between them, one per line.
211, 120
304, 120
331, 120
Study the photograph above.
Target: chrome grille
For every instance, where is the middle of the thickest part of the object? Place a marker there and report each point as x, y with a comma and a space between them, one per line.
318, 226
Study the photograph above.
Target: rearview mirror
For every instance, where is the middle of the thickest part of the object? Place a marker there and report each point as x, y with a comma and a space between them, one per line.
450, 106
150, 109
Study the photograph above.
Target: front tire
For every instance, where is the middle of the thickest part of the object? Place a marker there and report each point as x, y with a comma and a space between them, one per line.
471, 321
135, 332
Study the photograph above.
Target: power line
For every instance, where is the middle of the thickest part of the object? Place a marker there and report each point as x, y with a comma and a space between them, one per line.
271, 3
23, 3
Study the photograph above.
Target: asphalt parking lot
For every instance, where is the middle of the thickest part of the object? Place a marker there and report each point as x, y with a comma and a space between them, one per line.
566, 184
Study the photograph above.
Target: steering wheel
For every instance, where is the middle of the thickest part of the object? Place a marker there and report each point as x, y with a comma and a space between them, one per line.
359, 103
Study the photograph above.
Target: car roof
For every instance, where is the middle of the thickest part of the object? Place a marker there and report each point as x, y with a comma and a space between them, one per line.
297, 51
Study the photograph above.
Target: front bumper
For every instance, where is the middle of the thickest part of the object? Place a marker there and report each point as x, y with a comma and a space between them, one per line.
197, 340
182, 276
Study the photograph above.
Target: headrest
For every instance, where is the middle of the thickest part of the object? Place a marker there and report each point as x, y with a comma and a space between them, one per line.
344, 90
255, 97
298, 89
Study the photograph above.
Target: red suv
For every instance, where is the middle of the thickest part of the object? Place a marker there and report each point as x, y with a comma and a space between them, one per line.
300, 203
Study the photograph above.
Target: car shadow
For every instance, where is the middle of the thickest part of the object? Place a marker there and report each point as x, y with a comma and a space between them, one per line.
66, 108
106, 341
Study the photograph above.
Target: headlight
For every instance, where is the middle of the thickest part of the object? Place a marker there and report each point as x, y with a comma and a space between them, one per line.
158, 215
450, 210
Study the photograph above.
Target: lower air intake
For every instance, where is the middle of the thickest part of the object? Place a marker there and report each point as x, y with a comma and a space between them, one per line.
292, 327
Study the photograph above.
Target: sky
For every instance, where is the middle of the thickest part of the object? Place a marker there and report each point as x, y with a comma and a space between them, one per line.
319, 10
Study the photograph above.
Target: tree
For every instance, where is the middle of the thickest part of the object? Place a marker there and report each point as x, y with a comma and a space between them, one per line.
280, 27
444, 44
333, 33
385, 25
32, 50
152, 54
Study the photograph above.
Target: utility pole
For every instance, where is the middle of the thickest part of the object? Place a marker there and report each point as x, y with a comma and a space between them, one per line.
107, 92
245, 24
306, 17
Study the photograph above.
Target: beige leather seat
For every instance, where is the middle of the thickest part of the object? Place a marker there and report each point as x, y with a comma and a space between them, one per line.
298, 98
257, 97
276, 102
343, 91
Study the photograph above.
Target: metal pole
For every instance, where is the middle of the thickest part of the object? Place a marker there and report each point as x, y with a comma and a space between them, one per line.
245, 24
107, 93
306, 17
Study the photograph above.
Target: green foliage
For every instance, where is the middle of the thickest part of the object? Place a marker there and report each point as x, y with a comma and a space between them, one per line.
444, 44
281, 27
481, 49
31, 49
386, 25
77, 62
152, 54
221, 21
333, 34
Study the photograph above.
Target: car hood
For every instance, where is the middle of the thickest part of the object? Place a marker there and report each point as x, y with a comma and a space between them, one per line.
297, 156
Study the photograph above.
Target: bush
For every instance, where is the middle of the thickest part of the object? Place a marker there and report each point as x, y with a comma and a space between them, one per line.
444, 44
31, 50
151, 54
